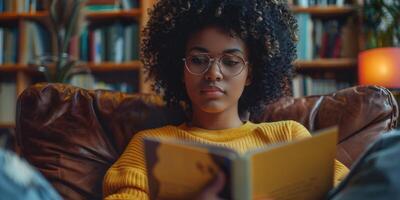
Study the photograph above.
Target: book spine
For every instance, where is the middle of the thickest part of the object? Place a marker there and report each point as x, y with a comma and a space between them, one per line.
128, 34
119, 43
304, 46
98, 48
84, 42
8, 98
1, 45
135, 41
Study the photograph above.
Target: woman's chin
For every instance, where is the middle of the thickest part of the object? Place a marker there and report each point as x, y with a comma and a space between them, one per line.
213, 107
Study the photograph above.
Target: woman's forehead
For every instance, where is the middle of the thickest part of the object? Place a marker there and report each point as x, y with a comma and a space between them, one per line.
213, 39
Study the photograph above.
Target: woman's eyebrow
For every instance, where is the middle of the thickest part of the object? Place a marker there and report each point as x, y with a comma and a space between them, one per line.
233, 51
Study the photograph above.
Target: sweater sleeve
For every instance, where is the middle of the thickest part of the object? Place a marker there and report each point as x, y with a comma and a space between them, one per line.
127, 179
340, 170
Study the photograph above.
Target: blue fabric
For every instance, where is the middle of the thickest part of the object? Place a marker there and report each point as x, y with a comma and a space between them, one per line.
18, 180
376, 175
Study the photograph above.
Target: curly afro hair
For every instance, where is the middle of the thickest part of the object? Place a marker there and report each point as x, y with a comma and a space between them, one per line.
267, 27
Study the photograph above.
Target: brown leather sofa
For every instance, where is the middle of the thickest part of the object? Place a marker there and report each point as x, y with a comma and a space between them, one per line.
73, 135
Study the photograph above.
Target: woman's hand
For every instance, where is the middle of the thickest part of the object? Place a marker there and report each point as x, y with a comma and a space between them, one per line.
210, 192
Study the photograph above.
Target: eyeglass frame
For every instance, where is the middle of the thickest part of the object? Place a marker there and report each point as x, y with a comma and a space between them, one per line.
210, 63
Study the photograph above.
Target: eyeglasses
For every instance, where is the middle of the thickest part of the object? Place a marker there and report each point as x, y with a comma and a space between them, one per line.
230, 65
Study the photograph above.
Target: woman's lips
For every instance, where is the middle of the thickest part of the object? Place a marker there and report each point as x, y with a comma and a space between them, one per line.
212, 91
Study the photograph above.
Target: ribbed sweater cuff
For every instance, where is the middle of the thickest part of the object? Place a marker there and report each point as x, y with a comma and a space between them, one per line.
117, 179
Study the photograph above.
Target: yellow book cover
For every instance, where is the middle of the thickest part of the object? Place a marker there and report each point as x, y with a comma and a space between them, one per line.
301, 169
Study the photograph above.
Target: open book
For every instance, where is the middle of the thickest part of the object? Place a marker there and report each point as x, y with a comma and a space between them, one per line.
301, 169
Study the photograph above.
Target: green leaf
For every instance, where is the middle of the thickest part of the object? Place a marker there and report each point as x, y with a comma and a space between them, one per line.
62, 76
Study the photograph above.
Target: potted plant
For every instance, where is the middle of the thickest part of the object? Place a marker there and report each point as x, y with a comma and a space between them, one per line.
381, 23
65, 21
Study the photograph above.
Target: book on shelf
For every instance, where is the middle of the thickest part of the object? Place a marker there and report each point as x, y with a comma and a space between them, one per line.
36, 42
10, 45
305, 43
20, 6
129, 4
323, 38
309, 3
117, 42
111, 5
305, 85
179, 169
101, 7
1, 45
8, 98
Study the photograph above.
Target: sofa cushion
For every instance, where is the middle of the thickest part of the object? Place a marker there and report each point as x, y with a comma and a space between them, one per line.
73, 136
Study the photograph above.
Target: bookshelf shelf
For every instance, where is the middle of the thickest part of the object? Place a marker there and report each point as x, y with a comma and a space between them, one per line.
325, 10
110, 67
130, 14
94, 67
9, 16
12, 68
335, 63
7, 125
36, 15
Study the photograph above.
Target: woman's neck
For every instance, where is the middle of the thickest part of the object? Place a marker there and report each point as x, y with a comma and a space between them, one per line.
216, 121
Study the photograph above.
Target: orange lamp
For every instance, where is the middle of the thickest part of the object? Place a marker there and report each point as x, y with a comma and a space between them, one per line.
380, 66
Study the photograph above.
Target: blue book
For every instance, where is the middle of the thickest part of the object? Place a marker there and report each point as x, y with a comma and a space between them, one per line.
84, 41
304, 45
1, 5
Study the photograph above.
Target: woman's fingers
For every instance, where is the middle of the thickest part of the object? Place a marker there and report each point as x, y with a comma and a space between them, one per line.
217, 184
210, 192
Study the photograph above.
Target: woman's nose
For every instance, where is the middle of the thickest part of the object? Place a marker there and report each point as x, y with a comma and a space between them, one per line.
214, 73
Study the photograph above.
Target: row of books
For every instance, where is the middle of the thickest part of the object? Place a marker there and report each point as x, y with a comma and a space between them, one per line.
8, 99
20, 6
307, 3
117, 42
8, 45
303, 85
111, 5
23, 6
36, 42
321, 38
88, 81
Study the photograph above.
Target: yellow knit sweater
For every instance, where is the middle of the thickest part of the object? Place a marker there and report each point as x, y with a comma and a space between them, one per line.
126, 179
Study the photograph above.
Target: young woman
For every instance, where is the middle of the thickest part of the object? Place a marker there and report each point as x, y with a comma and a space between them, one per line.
220, 59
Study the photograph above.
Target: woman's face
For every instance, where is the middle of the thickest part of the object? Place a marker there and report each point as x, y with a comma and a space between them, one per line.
218, 88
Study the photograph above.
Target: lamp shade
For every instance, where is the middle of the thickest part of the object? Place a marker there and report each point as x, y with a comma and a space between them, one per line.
380, 66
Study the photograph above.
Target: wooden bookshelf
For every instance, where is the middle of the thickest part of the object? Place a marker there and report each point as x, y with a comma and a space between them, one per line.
326, 31
95, 67
334, 63
325, 10
9, 16
110, 15
24, 75
12, 68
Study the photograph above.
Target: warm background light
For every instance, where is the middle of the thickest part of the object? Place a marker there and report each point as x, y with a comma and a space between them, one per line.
380, 66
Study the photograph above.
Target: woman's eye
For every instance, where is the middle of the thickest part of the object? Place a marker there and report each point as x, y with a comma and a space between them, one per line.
199, 61
230, 63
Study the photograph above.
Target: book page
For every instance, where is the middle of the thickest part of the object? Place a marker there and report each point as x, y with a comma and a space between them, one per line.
298, 170
181, 171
